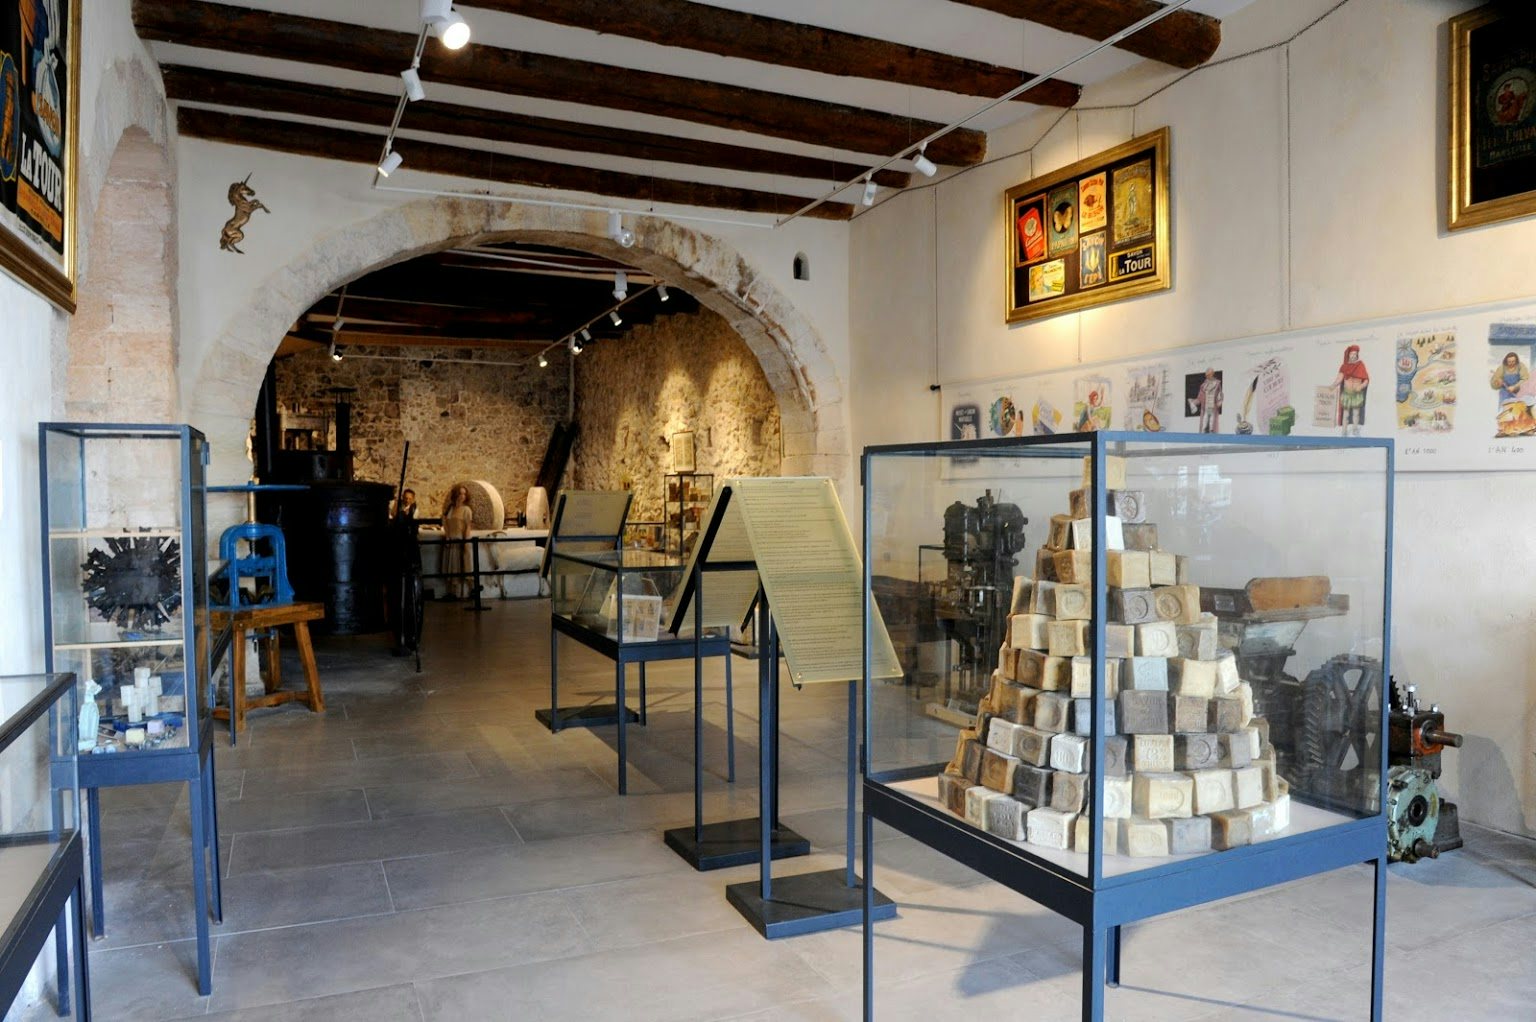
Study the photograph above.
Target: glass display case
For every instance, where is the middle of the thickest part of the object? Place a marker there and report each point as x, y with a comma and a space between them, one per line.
125, 609
617, 594
688, 497
614, 602
1182, 644
41, 854
126, 591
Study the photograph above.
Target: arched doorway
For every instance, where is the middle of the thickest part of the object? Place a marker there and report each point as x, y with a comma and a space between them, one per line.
219, 390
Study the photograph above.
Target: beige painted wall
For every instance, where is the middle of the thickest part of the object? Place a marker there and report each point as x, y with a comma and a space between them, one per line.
680, 373
1308, 190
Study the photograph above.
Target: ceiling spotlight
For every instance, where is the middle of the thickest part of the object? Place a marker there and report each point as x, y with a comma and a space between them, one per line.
661, 290
413, 90
870, 188
335, 351
620, 284
924, 165
445, 23
543, 361
390, 163
576, 345
586, 334
618, 232
613, 314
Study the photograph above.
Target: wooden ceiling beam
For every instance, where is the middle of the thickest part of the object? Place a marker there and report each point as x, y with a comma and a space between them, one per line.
221, 88
1184, 38
746, 36
357, 147
378, 51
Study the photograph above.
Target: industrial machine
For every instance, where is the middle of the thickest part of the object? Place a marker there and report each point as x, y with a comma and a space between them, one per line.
971, 602
1420, 823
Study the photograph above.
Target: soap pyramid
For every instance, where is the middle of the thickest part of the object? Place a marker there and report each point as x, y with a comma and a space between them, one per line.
1188, 767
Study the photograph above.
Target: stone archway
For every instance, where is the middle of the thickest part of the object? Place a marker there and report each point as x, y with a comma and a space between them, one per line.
219, 392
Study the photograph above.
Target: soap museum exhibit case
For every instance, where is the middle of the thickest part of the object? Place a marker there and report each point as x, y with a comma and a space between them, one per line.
42, 854
125, 609
613, 602
1118, 764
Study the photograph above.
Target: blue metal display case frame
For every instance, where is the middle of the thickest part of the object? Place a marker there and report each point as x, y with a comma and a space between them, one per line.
45, 910
1102, 904
193, 763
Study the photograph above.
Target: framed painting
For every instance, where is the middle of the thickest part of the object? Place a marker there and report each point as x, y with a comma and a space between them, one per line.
682, 452
1091, 233
1492, 116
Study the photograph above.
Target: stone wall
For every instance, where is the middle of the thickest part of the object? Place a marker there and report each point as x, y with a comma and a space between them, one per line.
464, 421
686, 372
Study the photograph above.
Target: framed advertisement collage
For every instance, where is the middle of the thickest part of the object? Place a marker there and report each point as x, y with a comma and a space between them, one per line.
1090, 233
39, 85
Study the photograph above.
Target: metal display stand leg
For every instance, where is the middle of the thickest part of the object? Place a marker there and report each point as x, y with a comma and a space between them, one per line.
198, 806
729, 842
212, 828
807, 902
1095, 966
557, 718
98, 904
1112, 975
1378, 938
474, 546
623, 719
82, 965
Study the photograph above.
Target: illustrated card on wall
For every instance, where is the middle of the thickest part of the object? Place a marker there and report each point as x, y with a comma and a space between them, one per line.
1266, 407
1092, 213
1426, 382
1061, 220
1512, 346
965, 422
1029, 217
1047, 280
1133, 202
1351, 392
1203, 399
1003, 418
1090, 409
1105, 231
1146, 398
1090, 260
1044, 418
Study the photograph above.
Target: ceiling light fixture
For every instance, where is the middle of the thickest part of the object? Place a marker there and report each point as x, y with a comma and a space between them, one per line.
620, 285
586, 334
618, 232
390, 163
576, 345
543, 361
661, 289
870, 188
924, 165
445, 23
413, 90
335, 351
613, 314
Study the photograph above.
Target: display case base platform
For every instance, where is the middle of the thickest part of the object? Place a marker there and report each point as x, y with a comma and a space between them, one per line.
733, 843
1319, 841
807, 903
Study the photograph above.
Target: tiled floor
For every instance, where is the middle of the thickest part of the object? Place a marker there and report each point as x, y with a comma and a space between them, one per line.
426, 851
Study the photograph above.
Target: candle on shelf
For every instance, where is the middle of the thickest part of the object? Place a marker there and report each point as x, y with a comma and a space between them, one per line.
133, 703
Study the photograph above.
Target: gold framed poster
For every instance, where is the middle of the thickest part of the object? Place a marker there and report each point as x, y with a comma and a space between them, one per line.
39, 129
1492, 117
1091, 233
